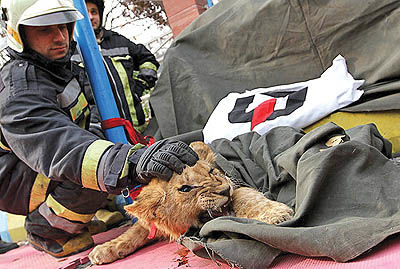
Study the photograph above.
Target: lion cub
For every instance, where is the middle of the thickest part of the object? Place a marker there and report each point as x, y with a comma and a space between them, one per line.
166, 210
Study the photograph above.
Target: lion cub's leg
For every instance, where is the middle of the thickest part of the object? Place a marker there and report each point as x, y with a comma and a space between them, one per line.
251, 204
123, 245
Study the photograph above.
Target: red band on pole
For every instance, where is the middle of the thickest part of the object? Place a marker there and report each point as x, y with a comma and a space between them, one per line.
134, 135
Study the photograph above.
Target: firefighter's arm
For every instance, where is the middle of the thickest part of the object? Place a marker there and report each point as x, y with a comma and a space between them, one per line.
128, 166
146, 64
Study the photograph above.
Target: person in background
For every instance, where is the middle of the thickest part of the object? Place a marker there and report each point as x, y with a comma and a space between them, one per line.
131, 67
54, 170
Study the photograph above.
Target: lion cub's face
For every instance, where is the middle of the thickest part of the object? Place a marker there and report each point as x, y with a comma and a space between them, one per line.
200, 193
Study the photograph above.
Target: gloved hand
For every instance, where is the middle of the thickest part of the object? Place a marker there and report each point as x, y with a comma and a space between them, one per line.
163, 158
149, 76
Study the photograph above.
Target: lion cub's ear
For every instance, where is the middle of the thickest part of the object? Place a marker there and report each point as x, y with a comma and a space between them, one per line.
204, 151
151, 198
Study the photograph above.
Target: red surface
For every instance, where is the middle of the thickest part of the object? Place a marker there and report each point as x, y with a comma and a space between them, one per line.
164, 255
384, 256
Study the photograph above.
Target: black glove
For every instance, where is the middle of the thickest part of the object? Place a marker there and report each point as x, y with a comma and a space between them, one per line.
148, 75
162, 159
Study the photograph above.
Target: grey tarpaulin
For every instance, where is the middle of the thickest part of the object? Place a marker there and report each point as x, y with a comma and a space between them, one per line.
241, 44
346, 197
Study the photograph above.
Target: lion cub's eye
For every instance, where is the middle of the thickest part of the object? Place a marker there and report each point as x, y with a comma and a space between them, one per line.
185, 188
214, 171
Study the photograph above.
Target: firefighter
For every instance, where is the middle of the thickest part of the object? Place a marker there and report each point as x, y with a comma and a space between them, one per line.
53, 169
131, 67
132, 71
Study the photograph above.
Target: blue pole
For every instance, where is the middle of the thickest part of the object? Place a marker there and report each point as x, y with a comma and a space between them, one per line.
94, 65
4, 229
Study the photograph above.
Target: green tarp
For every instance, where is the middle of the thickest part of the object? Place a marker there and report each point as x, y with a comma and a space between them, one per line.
346, 197
241, 44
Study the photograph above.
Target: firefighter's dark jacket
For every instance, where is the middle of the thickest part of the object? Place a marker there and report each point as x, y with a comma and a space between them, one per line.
45, 138
124, 60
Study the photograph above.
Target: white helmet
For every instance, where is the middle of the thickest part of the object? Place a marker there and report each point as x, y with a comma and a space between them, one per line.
35, 13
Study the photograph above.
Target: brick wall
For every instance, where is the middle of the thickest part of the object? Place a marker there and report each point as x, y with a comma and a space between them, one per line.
182, 12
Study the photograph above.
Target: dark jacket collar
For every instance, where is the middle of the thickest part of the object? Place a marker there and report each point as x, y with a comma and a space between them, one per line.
107, 33
60, 67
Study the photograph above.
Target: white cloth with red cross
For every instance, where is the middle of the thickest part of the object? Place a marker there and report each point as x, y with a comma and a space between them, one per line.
297, 105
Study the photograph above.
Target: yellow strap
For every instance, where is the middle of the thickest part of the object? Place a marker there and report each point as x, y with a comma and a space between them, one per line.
2, 146
125, 169
148, 65
121, 58
128, 94
79, 107
82, 123
64, 212
90, 163
38, 192
13, 33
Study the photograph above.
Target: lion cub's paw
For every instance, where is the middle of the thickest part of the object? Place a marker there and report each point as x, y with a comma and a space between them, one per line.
104, 253
275, 213
251, 204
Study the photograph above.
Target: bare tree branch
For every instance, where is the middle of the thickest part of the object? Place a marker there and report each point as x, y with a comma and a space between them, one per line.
137, 10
